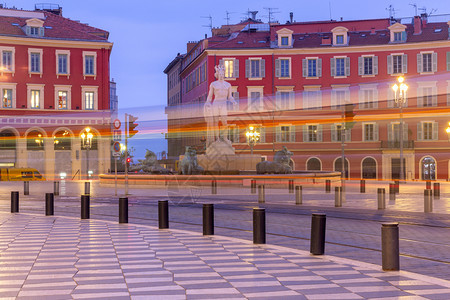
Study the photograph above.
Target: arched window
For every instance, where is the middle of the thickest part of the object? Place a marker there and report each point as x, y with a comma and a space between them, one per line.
428, 168
369, 168
7, 140
338, 166
62, 140
313, 164
35, 140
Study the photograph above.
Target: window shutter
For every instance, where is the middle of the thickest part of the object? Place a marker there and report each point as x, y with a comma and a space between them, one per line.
448, 60
434, 58
375, 65
236, 68
277, 68
263, 68
319, 67
375, 132
389, 64
390, 132
347, 66
419, 131
333, 66
434, 98
305, 65
236, 134
41, 31
405, 131
360, 65
278, 100
404, 36
291, 100
27, 30
262, 134
305, 133
435, 131
420, 97
333, 133
292, 133
405, 64
348, 135
278, 134
419, 62
247, 68
319, 133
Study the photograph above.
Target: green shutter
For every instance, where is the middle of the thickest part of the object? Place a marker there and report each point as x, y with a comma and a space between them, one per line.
319, 67
333, 66
263, 68
347, 66
360, 66
247, 68
305, 65
277, 68
236, 68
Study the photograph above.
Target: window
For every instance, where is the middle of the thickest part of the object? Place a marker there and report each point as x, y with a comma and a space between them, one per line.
397, 36
337, 131
427, 62
62, 100
35, 99
261, 130
7, 98
255, 97
397, 64
312, 133
340, 36
285, 133
368, 96
284, 37
35, 63
339, 39
255, 68
284, 41
339, 96
340, 66
34, 31
312, 98
89, 100
370, 133
35, 141
426, 94
368, 65
7, 60
312, 68
427, 97
285, 100
397, 33
233, 134
284, 68
90, 64
427, 130
231, 66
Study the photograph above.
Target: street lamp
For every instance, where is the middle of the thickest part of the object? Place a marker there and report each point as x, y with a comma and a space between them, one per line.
86, 143
448, 131
400, 98
252, 137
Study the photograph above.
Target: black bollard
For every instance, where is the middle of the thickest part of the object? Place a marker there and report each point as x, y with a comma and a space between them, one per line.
26, 187
391, 192
261, 193
427, 201
163, 214
328, 186
436, 190
337, 196
381, 198
214, 187
14, 202
318, 225
390, 251
123, 210
362, 186
428, 185
49, 204
253, 186
291, 186
208, 219
259, 226
56, 188
85, 206
87, 188
298, 194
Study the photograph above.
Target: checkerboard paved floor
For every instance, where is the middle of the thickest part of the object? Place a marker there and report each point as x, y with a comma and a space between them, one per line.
67, 258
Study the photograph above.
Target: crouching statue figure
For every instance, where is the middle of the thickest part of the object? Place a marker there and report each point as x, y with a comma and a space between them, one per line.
189, 164
279, 165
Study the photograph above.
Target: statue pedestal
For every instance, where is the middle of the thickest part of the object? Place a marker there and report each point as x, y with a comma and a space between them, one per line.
221, 157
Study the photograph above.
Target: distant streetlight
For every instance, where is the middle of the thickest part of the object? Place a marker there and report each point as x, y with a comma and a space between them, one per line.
448, 131
86, 143
252, 137
400, 98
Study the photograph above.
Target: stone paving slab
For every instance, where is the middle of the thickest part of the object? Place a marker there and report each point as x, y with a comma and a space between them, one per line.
68, 258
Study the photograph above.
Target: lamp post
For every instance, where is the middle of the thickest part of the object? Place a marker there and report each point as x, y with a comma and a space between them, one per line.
400, 98
86, 143
252, 137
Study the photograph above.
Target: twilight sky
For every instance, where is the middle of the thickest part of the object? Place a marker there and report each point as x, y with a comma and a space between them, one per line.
148, 34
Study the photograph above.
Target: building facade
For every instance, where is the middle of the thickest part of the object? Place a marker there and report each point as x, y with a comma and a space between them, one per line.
55, 83
292, 81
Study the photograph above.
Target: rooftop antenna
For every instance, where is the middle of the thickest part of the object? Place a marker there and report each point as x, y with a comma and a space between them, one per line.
271, 11
329, 5
391, 10
251, 14
228, 16
415, 8
210, 26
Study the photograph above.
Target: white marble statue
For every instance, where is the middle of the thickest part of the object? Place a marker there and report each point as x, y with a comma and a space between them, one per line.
215, 108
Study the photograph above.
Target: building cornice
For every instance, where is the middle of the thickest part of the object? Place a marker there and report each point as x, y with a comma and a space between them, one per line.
54, 43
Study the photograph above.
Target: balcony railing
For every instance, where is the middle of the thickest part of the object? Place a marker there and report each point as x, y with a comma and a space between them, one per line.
396, 144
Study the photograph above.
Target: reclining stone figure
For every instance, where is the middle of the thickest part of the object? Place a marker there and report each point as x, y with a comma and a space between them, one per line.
279, 165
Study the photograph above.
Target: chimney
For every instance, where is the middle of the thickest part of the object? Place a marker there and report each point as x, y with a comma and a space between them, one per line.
417, 25
326, 40
372, 30
291, 16
424, 18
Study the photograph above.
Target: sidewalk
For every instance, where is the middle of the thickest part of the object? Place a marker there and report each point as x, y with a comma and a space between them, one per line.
68, 258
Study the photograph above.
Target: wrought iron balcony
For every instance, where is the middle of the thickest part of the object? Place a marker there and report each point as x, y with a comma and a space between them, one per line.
409, 144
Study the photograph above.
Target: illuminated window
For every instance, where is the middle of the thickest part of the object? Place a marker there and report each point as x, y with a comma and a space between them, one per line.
229, 68
35, 98
89, 100
7, 98
62, 100
7, 62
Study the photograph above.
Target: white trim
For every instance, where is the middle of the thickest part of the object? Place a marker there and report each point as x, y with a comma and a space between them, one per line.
290, 67
13, 60
348, 164
435, 166
89, 88
340, 30
66, 52
41, 58
68, 89
306, 163
376, 166
11, 86
40, 88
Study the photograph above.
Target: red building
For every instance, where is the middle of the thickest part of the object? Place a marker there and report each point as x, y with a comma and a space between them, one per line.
54, 79
293, 81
